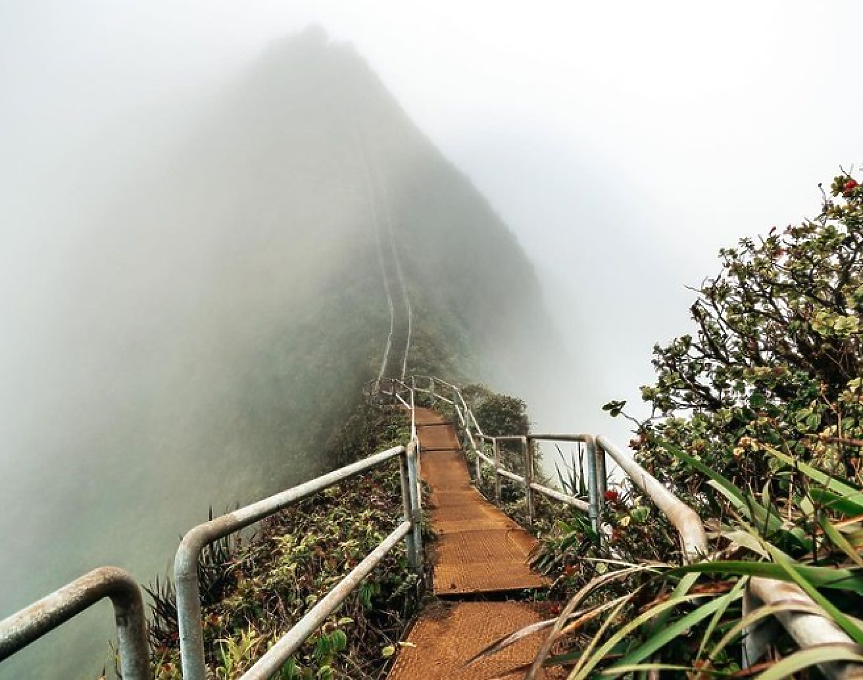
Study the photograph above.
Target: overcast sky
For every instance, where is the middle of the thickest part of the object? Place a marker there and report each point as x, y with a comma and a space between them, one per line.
623, 142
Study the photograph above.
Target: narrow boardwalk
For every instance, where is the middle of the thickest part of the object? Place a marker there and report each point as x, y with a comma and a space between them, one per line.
478, 550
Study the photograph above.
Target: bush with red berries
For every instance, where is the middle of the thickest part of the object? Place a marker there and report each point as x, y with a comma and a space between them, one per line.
776, 356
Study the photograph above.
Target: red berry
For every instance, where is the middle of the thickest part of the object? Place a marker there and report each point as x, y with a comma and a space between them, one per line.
612, 496
849, 186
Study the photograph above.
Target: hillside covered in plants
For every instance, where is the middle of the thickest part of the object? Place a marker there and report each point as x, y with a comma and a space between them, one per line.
757, 424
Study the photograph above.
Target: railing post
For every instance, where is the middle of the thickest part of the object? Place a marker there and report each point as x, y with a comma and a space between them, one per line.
413, 409
418, 455
31, 623
431, 390
592, 487
415, 508
408, 511
188, 601
496, 468
601, 480
528, 477
479, 463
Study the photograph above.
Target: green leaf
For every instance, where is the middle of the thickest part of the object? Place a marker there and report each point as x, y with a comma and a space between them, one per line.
805, 658
836, 502
683, 587
724, 483
849, 493
636, 668
676, 628
839, 540
735, 594
587, 664
340, 640
756, 616
795, 572
614, 407
819, 577
757, 400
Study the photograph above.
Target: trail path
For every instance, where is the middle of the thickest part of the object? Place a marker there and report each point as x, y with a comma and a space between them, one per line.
479, 551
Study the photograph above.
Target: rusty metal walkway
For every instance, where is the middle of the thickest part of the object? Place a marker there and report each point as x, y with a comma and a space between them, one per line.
478, 550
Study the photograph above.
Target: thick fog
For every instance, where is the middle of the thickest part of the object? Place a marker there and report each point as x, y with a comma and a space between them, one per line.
623, 143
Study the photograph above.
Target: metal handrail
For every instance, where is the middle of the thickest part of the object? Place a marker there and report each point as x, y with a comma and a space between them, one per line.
687, 522
473, 432
19, 630
592, 507
269, 664
31, 623
193, 543
808, 629
690, 528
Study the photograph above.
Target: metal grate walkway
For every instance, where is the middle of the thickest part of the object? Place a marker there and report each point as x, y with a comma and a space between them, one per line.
478, 550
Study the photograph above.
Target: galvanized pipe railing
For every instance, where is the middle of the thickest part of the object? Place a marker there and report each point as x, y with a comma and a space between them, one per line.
686, 521
592, 508
808, 628
193, 543
595, 473
693, 540
270, 664
31, 623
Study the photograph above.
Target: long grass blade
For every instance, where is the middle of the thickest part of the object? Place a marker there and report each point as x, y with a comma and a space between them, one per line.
673, 630
640, 667
683, 587
854, 631
735, 594
849, 494
589, 663
511, 639
812, 656
585, 659
836, 502
723, 482
839, 540
755, 617
819, 577
571, 606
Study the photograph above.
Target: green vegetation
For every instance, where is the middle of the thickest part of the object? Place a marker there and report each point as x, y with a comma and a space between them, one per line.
497, 414
254, 590
777, 355
757, 423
